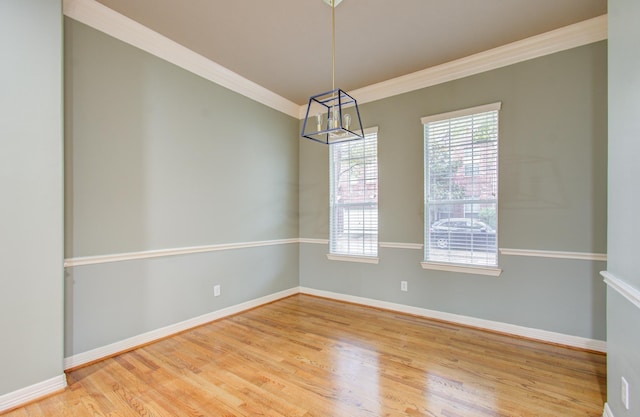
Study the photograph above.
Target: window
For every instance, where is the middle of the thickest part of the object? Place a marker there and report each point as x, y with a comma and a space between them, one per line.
354, 196
461, 186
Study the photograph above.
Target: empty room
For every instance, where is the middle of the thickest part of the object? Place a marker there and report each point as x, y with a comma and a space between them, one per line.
319, 208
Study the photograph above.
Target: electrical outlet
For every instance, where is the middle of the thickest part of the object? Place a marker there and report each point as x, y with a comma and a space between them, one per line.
216, 290
624, 393
403, 285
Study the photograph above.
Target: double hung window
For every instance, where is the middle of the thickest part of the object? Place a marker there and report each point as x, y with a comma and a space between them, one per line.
353, 181
461, 186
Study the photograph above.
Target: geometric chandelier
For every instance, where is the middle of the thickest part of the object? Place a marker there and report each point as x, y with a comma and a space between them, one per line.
333, 116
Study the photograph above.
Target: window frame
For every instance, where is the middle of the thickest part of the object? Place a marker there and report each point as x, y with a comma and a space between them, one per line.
353, 256
445, 263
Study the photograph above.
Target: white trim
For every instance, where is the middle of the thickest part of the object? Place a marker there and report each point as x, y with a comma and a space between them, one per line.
607, 411
106, 20
554, 254
626, 290
129, 256
353, 258
33, 392
465, 269
314, 241
512, 329
119, 257
568, 37
154, 335
401, 245
462, 112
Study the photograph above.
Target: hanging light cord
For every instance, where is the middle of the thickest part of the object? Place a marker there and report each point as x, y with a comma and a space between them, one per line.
333, 45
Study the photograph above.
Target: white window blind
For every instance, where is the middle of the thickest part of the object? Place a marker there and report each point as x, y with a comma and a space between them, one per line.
353, 182
461, 186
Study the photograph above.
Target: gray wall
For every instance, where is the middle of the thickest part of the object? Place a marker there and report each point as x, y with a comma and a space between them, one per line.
623, 317
159, 158
553, 170
31, 183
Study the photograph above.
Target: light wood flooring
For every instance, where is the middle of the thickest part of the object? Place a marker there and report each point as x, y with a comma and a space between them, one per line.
308, 356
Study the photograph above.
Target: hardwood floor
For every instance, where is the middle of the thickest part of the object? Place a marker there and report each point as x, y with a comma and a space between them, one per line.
307, 356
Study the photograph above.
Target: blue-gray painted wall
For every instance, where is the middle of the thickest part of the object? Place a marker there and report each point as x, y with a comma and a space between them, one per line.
623, 317
157, 158
552, 197
31, 181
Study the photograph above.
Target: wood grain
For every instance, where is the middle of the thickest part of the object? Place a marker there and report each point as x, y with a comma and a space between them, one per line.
306, 356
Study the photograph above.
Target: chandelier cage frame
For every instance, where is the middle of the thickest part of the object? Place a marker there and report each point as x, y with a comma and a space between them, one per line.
336, 113
337, 118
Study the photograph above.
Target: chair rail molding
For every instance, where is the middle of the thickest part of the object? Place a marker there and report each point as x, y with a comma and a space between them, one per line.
627, 291
129, 256
554, 254
401, 245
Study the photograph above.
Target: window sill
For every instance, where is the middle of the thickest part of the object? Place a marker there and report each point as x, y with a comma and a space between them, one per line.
352, 258
465, 269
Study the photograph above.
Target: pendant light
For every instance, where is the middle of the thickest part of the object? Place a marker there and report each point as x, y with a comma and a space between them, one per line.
332, 117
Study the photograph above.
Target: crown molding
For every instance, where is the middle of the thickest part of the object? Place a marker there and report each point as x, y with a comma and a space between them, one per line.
572, 36
114, 24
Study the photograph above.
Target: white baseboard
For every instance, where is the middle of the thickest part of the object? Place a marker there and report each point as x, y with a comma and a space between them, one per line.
33, 392
148, 337
530, 333
607, 411
50, 386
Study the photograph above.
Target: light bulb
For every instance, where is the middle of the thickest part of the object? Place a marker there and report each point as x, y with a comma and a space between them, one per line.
346, 121
319, 122
334, 119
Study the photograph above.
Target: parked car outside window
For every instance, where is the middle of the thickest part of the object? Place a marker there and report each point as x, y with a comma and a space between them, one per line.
462, 233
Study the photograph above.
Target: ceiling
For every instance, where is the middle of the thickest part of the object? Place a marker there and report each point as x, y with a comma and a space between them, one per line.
285, 45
